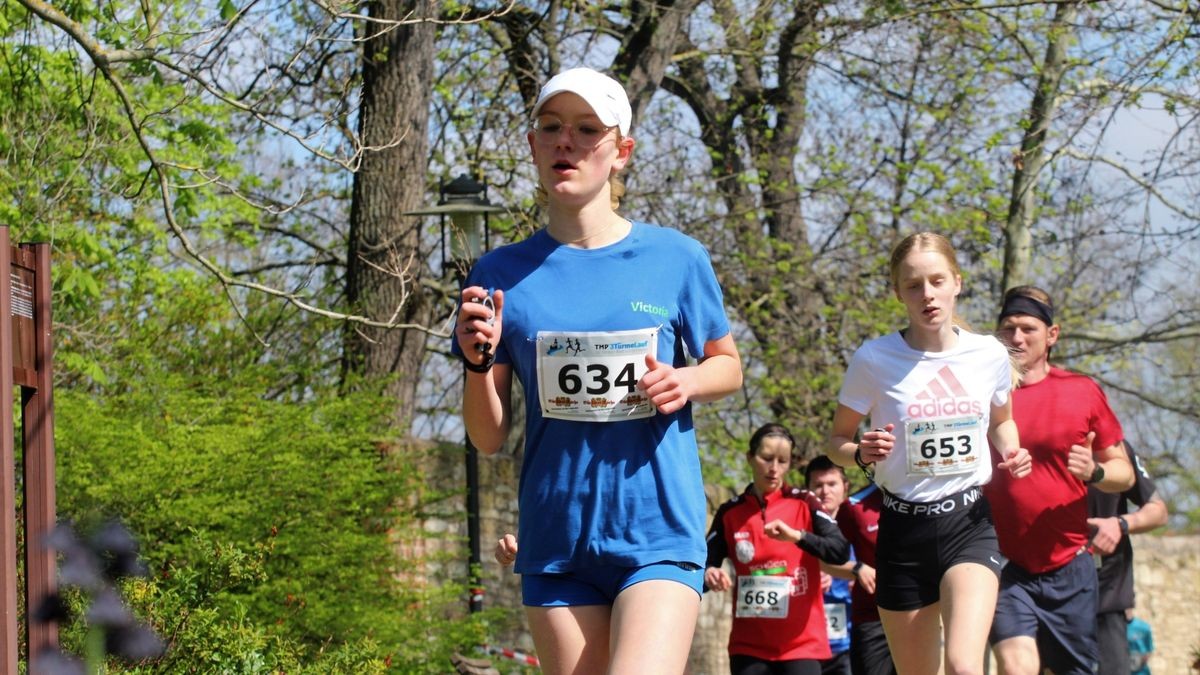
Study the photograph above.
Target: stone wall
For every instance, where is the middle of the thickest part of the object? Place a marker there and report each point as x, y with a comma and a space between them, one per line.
498, 515
1167, 586
447, 529
709, 653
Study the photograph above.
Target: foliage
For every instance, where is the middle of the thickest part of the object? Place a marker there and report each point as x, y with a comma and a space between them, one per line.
174, 392
269, 528
797, 140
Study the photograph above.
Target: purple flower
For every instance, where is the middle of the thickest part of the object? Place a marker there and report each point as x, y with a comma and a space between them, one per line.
54, 662
134, 643
52, 608
108, 611
93, 567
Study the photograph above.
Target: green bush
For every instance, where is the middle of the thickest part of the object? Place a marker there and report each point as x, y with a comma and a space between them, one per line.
270, 529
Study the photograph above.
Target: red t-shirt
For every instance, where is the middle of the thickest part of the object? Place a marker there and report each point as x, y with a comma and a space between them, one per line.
802, 633
1041, 519
858, 519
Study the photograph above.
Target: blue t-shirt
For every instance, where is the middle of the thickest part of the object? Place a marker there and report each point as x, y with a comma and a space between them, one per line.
1141, 646
628, 492
837, 614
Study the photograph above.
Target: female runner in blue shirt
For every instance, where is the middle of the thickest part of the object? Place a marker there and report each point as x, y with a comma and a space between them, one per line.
593, 314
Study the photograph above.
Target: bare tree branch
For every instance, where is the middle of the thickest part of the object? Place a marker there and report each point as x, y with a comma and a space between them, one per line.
102, 57
466, 16
1141, 182
1189, 412
104, 60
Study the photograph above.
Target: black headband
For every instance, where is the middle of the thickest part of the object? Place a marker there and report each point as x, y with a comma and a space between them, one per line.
1023, 304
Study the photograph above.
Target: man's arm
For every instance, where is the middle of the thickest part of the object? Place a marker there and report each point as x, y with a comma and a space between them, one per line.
1150, 517
843, 571
1109, 531
862, 573
1108, 470
1117, 469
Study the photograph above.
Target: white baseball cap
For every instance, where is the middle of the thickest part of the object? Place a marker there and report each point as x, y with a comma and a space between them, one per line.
605, 95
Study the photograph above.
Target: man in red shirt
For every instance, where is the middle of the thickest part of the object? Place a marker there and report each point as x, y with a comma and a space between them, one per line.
1046, 612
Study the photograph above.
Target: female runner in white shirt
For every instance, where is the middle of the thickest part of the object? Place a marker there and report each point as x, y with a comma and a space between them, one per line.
936, 394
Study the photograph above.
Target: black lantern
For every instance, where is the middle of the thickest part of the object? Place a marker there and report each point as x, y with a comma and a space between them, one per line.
465, 201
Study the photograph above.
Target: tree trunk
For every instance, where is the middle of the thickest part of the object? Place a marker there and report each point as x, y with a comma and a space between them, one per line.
1018, 229
384, 264
646, 51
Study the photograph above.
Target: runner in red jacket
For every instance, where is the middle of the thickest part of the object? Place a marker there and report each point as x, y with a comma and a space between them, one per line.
775, 535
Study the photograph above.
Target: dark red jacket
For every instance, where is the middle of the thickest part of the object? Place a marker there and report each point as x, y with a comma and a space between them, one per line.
858, 519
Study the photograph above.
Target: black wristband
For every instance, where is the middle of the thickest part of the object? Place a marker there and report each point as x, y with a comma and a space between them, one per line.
856, 569
1124, 525
866, 468
1097, 475
488, 359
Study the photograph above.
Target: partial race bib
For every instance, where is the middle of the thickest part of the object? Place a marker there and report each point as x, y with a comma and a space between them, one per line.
946, 446
835, 620
763, 597
592, 377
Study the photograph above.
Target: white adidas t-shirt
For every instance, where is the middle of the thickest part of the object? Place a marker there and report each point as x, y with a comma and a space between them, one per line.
941, 405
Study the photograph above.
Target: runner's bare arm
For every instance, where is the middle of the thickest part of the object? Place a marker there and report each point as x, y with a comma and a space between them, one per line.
876, 444
486, 395
1152, 515
841, 445
865, 576
487, 407
1109, 532
1002, 432
1118, 470
719, 372
843, 571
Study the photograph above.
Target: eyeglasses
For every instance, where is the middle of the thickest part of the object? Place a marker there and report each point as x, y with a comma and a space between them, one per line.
546, 130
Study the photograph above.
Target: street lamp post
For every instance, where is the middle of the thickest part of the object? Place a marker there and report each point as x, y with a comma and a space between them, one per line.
465, 201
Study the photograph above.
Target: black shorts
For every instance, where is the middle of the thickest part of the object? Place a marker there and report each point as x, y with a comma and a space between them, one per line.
1056, 608
918, 542
740, 664
869, 650
838, 665
1113, 643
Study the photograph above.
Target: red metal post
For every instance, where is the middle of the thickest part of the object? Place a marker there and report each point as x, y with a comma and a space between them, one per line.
37, 427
